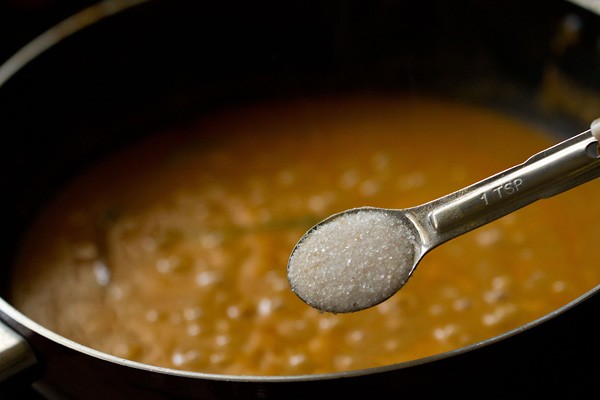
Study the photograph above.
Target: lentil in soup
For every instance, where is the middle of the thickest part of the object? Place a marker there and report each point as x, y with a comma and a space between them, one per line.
174, 252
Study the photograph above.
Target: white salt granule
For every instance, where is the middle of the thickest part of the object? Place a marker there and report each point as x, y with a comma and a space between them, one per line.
353, 261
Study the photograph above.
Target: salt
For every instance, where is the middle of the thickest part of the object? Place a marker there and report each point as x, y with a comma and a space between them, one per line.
353, 261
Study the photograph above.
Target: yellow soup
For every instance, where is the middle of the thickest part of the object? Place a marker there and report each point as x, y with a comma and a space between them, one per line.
174, 252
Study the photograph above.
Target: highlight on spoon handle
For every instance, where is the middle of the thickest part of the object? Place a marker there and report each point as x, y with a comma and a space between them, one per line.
552, 171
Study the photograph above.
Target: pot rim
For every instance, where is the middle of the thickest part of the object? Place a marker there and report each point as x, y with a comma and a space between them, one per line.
55, 34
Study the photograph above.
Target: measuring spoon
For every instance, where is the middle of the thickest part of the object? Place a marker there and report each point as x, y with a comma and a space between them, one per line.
360, 257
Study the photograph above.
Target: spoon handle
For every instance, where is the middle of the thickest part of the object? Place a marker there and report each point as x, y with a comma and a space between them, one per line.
552, 171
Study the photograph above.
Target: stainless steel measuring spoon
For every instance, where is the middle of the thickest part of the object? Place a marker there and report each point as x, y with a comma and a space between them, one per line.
360, 257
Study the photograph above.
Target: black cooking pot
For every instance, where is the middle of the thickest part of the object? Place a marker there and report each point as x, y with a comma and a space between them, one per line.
121, 69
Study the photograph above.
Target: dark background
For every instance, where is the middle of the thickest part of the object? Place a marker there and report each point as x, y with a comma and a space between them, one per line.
22, 20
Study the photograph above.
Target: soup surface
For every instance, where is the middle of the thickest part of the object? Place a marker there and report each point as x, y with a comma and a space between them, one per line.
174, 252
